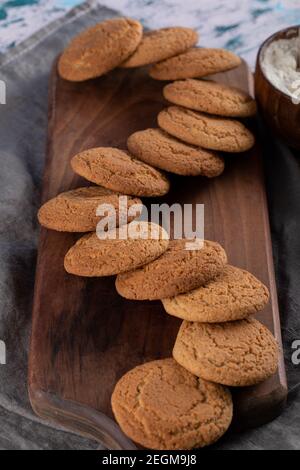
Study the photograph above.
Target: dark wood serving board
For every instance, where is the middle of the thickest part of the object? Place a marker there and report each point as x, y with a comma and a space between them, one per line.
84, 335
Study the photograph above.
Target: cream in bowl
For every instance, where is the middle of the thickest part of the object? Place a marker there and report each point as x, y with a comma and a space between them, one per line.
277, 84
279, 62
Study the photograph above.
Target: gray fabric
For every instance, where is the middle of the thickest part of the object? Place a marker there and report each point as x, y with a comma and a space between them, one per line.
23, 123
23, 128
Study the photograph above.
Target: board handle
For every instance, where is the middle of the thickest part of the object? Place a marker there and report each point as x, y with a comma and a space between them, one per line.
80, 419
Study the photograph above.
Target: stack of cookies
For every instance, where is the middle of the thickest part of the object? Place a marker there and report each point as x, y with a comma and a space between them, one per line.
180, 402
219, 345
183, 401
219, 340
189, 134
200, 121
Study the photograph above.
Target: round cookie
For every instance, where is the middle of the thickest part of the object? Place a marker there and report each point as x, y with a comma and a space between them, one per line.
177, 270
156, 147
75, 210
233, 295
210, 132
160, 45
130, 246
99, 49
117, 170
160, 405
210, 97
236, 354
196, 62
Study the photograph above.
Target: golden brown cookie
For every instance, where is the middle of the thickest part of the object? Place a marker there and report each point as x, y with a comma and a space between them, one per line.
177, 270
75, 210
99, 49
160, 405
160, 45
196, 62
210, 97
117, 170
131, 246
156, 147
237, 354
210, 132
233, 295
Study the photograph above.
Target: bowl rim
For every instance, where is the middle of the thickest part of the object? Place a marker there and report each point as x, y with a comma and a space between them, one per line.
264, 44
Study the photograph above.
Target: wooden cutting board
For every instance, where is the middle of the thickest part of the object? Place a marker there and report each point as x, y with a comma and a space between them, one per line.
84, 335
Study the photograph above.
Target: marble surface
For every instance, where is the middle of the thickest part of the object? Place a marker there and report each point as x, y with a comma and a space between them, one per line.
239, 25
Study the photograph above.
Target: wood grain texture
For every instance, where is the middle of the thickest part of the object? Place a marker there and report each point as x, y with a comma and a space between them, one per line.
85, 336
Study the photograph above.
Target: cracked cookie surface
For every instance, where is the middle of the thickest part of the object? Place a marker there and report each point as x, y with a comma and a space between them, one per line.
160, 45
117, 170
233, 295
177, 270
160, 405
132, 245
75, 210
240, 353
99, 49
207, 131
156, 147
196, 62
210, 97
